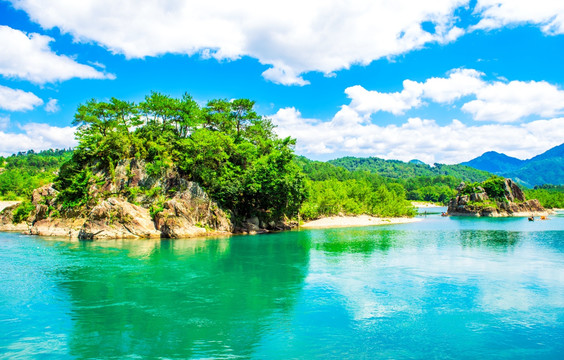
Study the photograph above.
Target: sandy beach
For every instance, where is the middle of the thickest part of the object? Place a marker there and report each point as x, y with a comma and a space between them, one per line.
361, 220
5, 204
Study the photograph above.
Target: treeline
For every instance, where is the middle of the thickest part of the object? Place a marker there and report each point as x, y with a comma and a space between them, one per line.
335, 190
25, 171
397, 169
438, 188
550, 196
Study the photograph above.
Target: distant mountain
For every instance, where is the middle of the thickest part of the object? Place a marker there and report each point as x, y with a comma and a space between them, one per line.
546, 168
401, 170
495, 162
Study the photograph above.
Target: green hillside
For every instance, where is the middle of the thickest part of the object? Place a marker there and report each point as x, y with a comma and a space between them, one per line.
23, 172
400, 170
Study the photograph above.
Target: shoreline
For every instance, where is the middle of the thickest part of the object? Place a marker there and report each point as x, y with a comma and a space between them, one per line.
353, 221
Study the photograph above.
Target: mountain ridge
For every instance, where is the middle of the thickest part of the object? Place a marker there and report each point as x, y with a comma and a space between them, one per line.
545, 168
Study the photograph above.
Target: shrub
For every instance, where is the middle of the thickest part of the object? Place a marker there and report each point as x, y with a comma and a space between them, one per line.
21, 213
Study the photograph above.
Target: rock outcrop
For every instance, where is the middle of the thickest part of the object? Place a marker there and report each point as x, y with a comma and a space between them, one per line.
7, 220
476, 201
116, 218
191, 213
180, 209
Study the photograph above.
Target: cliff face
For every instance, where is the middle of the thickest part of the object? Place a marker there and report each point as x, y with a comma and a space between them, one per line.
129, 203
509, 200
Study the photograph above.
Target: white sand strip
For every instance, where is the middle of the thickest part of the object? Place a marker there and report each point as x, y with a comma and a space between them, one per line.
361, 220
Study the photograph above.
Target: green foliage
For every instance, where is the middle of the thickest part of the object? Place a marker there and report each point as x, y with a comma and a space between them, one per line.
495, 187
23, 172
73, 184
22, 212
400, 170
231, 151
550, 196
156, 208
436, 188
354, 197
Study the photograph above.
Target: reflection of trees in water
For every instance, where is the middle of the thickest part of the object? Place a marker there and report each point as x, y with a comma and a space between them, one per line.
181, 298
494, 239
362, 241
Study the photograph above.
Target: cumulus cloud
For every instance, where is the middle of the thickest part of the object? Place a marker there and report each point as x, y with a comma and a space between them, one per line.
293, 37
506, 102
38, 137
495, 101
29, 57
548, 14
423, 139
17, 100
459, 83
397, 103
52, 106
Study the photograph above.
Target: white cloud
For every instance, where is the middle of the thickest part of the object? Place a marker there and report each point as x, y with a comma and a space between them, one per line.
461, 82
506, 102
37, 137
350, 133
548, 14
494, 101
397, 103
29, 57
52, 106
17, 100
293, 37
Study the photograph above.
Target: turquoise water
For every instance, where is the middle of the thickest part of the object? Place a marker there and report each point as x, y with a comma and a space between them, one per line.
442, 288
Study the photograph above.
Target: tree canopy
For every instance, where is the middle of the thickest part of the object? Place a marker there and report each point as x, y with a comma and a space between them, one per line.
225, 146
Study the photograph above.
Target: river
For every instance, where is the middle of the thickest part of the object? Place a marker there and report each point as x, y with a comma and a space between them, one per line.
443, 288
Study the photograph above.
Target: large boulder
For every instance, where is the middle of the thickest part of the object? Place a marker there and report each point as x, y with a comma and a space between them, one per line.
191, 213
116, 218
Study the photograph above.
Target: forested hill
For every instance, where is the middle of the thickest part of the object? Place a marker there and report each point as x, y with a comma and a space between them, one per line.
400, 170
546, 168
435, 188
21, 173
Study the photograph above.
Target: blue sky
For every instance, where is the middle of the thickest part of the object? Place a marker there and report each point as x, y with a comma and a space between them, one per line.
440, 81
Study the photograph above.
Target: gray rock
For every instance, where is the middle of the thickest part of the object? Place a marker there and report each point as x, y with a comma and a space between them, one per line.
118, 219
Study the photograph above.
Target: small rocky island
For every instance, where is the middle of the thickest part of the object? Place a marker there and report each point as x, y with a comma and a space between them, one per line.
495, 197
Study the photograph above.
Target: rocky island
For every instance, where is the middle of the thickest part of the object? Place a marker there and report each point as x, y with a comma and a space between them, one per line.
495, 197
166, 206
166, 167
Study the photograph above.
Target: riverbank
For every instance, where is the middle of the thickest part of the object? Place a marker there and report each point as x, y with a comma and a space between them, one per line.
350, 221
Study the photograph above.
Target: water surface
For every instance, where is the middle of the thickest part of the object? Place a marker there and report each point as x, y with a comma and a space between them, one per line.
441, 288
